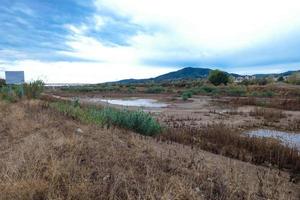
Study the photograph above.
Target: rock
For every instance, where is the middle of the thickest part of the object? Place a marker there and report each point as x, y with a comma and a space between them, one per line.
197, 189
106, 177
79, 131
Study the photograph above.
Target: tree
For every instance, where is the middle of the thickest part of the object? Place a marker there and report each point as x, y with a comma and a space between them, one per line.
218, 77
280, 79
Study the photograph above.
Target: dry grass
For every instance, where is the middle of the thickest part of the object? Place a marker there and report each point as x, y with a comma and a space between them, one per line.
224, 140
279, 103
44, 156
269, 115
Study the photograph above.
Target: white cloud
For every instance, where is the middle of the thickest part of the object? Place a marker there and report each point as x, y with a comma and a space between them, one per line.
81, 72
214, 22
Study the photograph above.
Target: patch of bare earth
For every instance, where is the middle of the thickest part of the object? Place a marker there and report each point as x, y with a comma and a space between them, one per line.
44, 155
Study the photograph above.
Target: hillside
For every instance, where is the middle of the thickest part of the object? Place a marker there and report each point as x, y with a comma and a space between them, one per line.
192, 73
185, 73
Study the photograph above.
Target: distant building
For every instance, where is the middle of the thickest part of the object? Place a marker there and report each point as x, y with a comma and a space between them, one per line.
242, 78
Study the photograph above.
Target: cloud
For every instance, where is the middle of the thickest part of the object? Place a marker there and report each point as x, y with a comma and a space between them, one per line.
116, 38
81, 72
187, 31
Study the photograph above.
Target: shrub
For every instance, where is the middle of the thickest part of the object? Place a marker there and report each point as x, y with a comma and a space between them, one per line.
186, 95
218, 77
236, 91
294, 78
155, 89
8, 94
280, 79
208, 89
34, 89
267, 93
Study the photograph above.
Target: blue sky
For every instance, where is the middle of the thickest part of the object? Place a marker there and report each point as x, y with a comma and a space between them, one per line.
90, 41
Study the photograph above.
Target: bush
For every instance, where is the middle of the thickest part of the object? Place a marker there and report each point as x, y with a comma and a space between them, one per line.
138, 121
186, 95
8, 94
34, 89
262, 94
280, 79
218, 77
236, 91
294, 78
155, 89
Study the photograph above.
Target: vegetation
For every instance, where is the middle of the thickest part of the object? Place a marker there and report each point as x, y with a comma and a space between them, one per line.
186, 95
279, 103
155, 89
13, 93
93, 88
43, 157
294, 78
34, 89
268, 114
218, 77
2, 82
138, 121
221, 139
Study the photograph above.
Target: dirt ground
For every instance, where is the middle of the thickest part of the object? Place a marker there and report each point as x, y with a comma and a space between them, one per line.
202, 110
44, 155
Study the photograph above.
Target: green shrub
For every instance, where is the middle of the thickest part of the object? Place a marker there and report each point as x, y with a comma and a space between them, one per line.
138, 121
8, 93
236, 91
34, 89
12, 93
218, 77
186, 95
262, 94
207, 89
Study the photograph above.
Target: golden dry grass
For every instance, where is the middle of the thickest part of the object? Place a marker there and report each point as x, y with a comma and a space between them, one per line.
44, 156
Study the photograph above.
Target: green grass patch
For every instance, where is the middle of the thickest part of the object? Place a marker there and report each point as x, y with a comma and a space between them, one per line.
137, 121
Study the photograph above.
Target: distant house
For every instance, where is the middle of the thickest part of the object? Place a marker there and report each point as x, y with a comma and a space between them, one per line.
242, 78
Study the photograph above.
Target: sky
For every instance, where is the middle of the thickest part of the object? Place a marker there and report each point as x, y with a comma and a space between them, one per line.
93, 41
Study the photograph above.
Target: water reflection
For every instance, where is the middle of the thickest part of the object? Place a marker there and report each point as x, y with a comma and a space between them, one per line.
289, 139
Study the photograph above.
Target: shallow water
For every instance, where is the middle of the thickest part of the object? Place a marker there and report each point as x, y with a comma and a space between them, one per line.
151, 103
289, 139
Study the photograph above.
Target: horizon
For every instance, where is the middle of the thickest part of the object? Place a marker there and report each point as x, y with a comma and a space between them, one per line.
86, 83
97, 41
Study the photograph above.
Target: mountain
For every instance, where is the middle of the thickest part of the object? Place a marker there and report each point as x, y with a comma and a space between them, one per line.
276, 75
193, 73
185, 73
